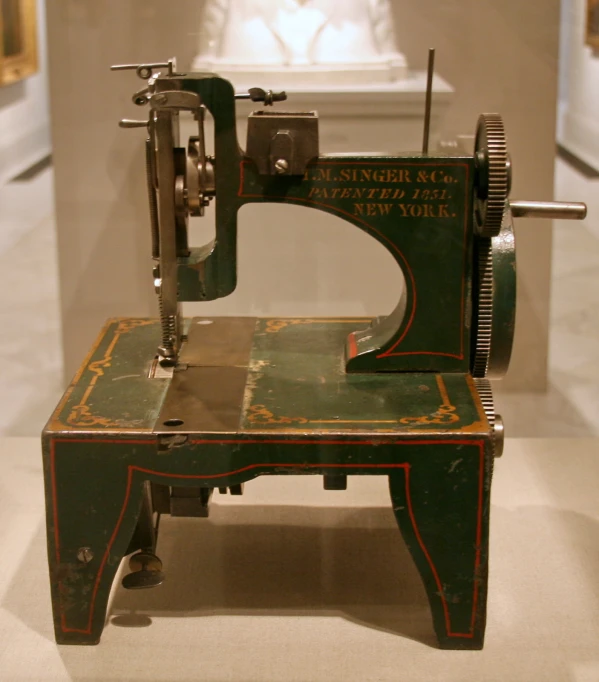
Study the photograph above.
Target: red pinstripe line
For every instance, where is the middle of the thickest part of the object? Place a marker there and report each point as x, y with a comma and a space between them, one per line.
64, 626
378, 441
279, 466
54, 498
427, 555
450, 633
353, 347
366, 224
481, 483
462, 321
118, 441
283, 441
422, 352
405, 466
389, 352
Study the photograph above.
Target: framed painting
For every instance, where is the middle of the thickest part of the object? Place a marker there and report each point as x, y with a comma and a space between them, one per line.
593, 23
18, 40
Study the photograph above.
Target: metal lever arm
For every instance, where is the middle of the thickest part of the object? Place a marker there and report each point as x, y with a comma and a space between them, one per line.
260, 95
145, 71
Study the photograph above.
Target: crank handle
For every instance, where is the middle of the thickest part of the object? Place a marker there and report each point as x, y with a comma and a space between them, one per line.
558, 210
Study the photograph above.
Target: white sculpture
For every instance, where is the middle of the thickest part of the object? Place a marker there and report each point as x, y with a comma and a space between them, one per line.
295, 42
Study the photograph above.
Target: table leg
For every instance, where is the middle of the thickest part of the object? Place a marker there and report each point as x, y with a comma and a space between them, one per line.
442, 509
93, 502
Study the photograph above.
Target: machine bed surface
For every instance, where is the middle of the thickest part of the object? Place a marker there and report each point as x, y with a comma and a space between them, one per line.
251, 375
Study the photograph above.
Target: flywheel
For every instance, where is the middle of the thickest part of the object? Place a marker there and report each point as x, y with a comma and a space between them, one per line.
493, 174
494, 301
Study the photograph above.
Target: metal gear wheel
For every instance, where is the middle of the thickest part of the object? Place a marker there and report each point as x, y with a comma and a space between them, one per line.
494, 174
483, 387
484, 307
494, 301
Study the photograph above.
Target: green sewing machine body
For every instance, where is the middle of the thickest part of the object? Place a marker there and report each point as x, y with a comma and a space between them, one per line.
164, 412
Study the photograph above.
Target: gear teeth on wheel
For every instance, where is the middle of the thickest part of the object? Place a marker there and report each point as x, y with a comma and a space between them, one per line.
491, 141
484, 326
485, 393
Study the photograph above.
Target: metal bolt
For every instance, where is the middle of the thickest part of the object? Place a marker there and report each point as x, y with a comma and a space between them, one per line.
498, 435
85, 555
281, 166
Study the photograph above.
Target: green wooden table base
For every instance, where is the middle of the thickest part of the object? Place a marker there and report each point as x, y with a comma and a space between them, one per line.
108, 435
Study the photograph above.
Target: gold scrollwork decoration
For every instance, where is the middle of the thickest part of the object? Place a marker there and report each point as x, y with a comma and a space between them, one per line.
81, 414
128, 324
274, 326
98, 366
444, 415
261, 415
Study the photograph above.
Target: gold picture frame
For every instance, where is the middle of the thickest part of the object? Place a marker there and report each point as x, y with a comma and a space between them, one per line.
18, 40
592, 31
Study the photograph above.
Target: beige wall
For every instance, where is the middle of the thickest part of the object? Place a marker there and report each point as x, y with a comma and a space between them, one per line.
500, 55
579, 96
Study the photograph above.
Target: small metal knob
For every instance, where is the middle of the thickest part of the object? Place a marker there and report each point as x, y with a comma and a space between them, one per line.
147, 572
261, 95
281, 166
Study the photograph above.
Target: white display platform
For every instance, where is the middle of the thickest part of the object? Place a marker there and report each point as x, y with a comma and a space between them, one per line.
380, 118
290, 582
399, 98
300, 41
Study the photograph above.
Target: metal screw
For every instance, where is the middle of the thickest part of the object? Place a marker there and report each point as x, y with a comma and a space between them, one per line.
281, 166
85, 555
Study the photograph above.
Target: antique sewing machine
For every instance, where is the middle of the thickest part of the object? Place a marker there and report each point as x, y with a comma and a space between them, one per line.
165, 411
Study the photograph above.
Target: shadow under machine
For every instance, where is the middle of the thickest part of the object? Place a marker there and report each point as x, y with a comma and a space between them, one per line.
164, 412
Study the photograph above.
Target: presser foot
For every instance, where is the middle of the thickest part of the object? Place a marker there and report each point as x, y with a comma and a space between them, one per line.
146, 572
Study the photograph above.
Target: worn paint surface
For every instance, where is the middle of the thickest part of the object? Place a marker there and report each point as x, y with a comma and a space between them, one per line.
439, 473
420, 208
297, 379
111, 390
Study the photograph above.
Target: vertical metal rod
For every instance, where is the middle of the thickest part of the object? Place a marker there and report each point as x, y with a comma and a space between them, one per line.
429, 99
150, 178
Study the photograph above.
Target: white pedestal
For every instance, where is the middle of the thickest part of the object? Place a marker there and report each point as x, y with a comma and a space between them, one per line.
294, 42
387, 71
376, 119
